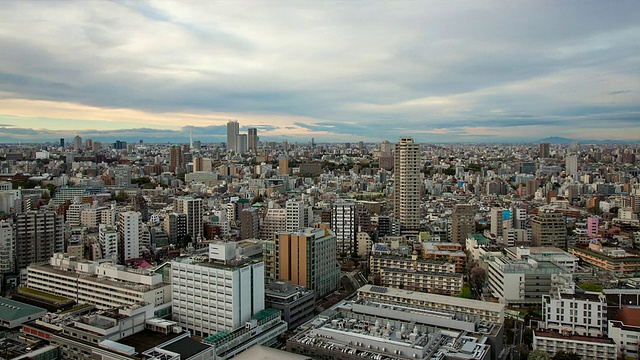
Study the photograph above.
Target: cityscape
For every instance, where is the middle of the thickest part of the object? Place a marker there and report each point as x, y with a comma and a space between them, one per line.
187, 180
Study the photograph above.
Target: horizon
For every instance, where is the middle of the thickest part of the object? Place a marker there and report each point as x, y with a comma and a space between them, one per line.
334, 71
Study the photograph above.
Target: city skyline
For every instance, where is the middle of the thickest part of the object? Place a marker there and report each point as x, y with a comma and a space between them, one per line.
335, 72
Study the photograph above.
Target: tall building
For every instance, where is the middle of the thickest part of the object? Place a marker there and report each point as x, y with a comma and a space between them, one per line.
108, 240
175, 226
39, 234
233, 129
175, 158
215, 292
571, 163
544, 150
242, 144
582, 313
462, 223
192, 208
308, 258
297, 215
343, 224
77, 143
7, 248
253, 140
406, 174
62, 142
283, 166
275, 220
129, 225
549, 229
249, 224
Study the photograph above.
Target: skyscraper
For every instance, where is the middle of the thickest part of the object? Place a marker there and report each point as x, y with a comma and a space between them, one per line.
241, 144
233, 129
406, 174
253, 139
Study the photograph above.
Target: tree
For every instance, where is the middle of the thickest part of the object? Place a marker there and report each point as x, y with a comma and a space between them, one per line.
527, 337
523, 350
562, 355
465, 292
478, 276
538, 355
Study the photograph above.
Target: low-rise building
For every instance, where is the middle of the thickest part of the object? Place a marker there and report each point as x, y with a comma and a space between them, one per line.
615, 260
587, 347
447, 251
429, 282
104, 285
581, 313
486, 311
624, 329
14, 313
295, 302
524, 281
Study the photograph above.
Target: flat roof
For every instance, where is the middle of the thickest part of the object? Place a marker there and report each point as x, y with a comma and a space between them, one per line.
557, 335
13, 310
186, 347
147, 339
443, 299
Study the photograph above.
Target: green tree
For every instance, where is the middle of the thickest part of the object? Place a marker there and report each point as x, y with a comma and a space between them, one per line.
121, 197
465, 292
527, 337
538, 355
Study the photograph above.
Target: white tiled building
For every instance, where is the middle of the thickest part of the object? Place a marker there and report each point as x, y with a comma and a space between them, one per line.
583, 314
211, 296
587, 347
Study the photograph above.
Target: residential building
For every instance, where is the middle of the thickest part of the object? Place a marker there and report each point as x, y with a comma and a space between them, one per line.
462, 222
275, 220
612, 259
407, 184
39, 234
108, 240
446, 251
586, 347
129, 229
624, 330
192, 208
549, 229
581, 313
343, 224
308, 258
7, 248
175, 226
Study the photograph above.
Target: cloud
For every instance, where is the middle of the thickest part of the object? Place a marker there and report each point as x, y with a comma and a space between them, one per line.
323, 70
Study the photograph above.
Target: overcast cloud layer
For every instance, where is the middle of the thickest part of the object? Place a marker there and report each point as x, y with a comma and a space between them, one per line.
336, 71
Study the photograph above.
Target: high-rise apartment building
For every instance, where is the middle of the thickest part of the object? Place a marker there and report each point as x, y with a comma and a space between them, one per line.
308, 258
122, 175
549, 229
275, 220
462, 222
571, 164
343, 224
175, 226
544, 150
407, 184
39, 234
129, 225
283, 166
295, 215
233, 129
7, 248
192, 208
175, 158
253, 139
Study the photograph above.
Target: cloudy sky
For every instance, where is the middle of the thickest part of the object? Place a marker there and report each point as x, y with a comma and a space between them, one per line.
462, 71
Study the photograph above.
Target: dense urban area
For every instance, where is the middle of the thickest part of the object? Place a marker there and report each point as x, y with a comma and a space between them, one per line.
256, 249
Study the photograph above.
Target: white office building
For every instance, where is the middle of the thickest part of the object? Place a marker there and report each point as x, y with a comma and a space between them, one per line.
105, 285
216, 295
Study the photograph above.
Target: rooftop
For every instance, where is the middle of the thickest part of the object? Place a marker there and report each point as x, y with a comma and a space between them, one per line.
13, 310
557, 335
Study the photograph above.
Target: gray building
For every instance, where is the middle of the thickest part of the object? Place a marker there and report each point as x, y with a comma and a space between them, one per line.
295, 302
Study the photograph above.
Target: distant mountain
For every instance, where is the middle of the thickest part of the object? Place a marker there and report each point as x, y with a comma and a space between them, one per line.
561, 140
